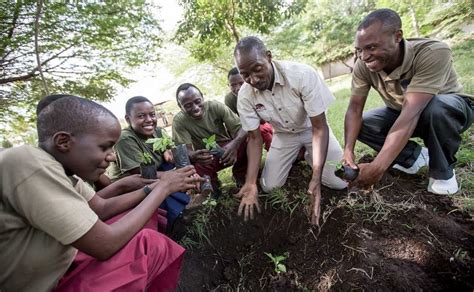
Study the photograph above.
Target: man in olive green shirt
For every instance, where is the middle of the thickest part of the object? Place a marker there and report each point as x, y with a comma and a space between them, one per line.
417, 82
200, 119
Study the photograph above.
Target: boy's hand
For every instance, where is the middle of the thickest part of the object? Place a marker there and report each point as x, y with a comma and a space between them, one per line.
181, 179
168, 156
230, 155
201, 156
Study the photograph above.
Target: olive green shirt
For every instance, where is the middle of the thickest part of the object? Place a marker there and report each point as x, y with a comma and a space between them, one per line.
129, 150
42, 211
427, 67
230, 100
217, 119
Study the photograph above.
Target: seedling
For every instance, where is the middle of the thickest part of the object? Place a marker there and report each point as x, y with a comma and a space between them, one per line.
277, 262
145, 158
161, 144
211, 145
210, 142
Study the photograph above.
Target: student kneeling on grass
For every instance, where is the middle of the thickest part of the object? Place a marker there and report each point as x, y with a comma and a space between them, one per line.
53, 234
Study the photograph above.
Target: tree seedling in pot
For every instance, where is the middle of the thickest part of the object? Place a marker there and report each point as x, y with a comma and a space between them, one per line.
346, 172
211, 145
161, 144
147, 166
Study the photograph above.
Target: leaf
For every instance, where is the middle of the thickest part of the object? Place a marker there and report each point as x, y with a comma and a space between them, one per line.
281, 268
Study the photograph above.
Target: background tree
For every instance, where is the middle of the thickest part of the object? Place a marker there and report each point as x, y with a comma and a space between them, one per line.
82, 48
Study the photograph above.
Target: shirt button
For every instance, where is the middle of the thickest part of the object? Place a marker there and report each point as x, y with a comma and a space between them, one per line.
286, 122
273, 94
293, 130
279, 108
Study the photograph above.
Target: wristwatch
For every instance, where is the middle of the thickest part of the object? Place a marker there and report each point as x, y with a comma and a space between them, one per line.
147, 190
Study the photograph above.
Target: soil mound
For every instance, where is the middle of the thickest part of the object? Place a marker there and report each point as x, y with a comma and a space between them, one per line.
397, 237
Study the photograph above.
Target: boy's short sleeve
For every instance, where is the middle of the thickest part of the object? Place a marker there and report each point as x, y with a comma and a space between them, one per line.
49, 201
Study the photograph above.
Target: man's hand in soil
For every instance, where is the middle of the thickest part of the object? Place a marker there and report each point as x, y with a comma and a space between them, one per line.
201, 156
369, 175
314, 191
249, 199
230, 154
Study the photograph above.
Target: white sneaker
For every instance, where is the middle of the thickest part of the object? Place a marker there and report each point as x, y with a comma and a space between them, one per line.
422, 160
443, 186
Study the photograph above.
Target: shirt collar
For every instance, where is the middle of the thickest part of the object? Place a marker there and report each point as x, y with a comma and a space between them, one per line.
408, 56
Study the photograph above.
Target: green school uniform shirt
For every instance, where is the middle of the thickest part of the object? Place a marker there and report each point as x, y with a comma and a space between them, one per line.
217, 119
42, 211
427, 67
230, 100
128, 151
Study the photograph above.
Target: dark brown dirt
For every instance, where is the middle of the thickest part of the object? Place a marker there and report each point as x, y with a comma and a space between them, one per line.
396, 238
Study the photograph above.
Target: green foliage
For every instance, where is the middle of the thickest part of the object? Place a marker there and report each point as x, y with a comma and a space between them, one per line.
277, 261
146, 158
84, 49
210, 142
161, 144
216, 25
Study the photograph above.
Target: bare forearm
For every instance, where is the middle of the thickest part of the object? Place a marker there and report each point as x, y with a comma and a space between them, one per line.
117, 205
397, 138
254, 155
320, 148
352, 126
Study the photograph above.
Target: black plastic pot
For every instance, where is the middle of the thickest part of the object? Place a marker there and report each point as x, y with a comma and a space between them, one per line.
180, 155
217, 152
148, 171
206, 186
347, 173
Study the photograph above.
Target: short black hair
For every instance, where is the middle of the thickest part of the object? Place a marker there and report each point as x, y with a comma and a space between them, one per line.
69, 113
232, 72
390, 20
47, 100
249, 43
184, 87
134, 100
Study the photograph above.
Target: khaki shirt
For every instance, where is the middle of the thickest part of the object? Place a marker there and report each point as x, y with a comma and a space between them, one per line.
230, 100
427, 68
129, 149
42, 211
218, 119
297, 94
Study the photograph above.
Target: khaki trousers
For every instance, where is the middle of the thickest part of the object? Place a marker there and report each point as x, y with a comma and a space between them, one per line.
283, 152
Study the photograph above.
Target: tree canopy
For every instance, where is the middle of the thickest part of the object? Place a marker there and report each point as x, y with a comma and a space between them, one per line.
81, 48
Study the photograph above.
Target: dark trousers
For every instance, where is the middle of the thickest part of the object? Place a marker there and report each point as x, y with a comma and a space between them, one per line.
440, 126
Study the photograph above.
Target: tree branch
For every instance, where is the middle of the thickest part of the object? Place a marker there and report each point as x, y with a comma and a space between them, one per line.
38, 61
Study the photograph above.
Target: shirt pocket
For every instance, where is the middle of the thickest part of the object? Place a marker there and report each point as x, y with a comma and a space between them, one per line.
265, 114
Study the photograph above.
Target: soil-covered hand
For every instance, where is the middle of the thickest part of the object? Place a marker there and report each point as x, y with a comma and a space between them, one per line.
249, 199
181, 179
369, 175
201, 156
133, 182
230, 154
168, 156
314, 191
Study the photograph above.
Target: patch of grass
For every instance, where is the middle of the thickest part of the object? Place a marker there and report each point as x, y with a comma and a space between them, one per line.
197, 232
281, 199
